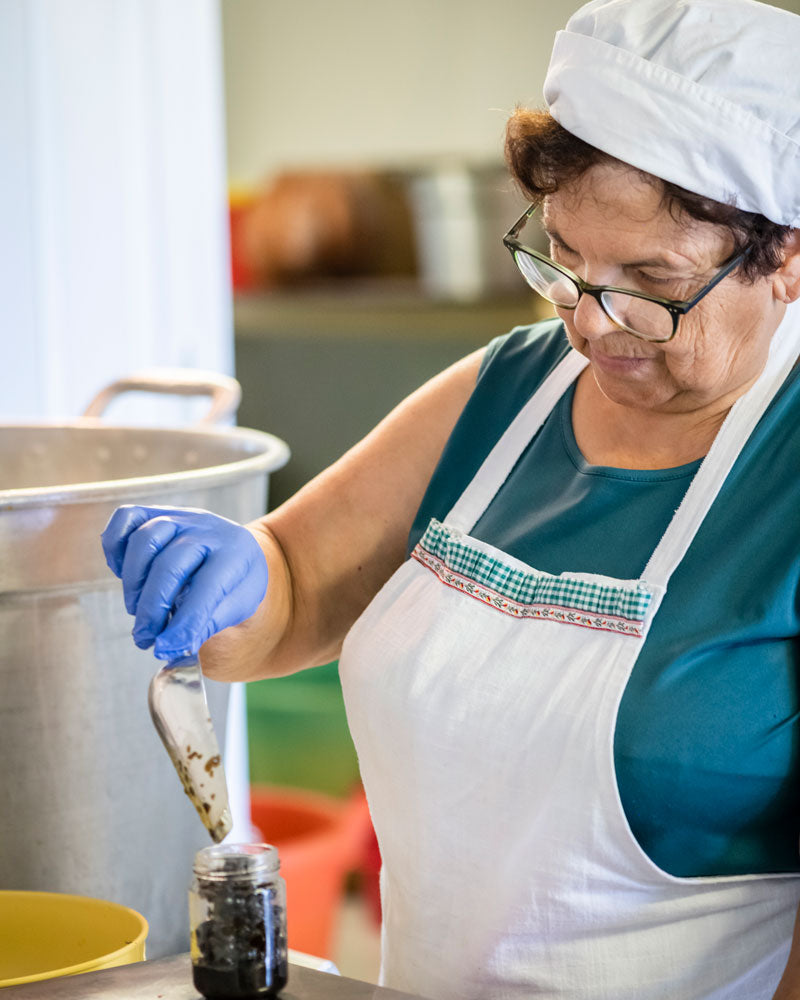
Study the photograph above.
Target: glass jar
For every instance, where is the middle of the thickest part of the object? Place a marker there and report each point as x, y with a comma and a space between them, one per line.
237, 913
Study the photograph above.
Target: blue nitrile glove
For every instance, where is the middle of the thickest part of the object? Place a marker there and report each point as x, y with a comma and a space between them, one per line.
160, 553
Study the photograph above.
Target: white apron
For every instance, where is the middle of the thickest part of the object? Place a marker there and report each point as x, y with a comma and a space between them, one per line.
482, 697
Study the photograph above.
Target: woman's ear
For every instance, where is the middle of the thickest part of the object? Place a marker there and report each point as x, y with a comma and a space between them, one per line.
786, 280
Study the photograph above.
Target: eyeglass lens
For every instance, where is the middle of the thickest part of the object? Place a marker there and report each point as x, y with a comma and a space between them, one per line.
642, 317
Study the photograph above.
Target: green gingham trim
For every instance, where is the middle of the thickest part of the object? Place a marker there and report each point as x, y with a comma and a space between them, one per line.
527, 593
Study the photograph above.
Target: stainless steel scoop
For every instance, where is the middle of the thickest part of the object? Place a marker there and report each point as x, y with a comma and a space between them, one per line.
178, 706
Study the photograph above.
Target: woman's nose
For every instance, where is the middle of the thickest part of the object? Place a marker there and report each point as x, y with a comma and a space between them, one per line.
589, 320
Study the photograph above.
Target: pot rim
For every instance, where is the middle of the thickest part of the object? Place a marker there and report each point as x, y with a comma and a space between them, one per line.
274, 455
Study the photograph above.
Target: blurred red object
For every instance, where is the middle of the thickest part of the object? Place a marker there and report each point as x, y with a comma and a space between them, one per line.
239, 205
371, 875
311, 225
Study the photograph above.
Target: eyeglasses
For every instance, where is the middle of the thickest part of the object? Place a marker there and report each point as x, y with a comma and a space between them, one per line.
647, 317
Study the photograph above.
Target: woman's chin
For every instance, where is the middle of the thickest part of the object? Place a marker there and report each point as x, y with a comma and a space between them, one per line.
631, 387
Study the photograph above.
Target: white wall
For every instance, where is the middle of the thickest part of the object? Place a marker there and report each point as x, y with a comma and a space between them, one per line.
376, 82
113, 216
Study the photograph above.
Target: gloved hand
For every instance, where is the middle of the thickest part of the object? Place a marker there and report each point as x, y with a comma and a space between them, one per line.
186, 574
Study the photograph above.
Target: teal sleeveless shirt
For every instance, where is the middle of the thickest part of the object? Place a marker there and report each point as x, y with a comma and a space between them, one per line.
707, 744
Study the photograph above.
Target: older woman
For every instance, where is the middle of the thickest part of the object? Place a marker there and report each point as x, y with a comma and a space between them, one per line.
563, 576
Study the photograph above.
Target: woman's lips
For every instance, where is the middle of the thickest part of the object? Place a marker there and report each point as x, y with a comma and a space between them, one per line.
617, 364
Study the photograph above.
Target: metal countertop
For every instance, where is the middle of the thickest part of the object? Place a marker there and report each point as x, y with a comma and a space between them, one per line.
171, 979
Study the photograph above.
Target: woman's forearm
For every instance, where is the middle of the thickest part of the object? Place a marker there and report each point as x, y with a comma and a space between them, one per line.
789, 986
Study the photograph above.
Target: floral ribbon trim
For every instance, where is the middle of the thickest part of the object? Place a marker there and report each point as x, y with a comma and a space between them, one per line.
521, 593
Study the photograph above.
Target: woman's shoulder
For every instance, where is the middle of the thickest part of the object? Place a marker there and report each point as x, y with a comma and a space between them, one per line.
774, 444
536, 348
517, 362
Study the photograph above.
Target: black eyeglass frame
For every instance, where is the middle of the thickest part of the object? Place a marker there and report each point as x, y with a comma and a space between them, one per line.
675, 307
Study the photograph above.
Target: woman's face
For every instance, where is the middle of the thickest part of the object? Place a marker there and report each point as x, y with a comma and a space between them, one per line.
610, 228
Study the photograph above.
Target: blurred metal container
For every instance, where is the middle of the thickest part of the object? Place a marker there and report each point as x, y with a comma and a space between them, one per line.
460, 214
90, 801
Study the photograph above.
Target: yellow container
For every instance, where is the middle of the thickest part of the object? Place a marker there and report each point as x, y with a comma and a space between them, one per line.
48, 934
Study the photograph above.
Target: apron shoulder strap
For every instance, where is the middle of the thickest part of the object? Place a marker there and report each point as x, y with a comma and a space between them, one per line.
731, 438
520, 432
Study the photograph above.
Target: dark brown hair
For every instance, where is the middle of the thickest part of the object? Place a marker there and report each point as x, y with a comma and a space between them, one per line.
543, 156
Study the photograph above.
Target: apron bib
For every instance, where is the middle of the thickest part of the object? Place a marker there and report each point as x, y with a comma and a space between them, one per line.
482, 698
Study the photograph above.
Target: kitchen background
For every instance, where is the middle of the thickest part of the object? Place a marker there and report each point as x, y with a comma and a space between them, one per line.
307, 195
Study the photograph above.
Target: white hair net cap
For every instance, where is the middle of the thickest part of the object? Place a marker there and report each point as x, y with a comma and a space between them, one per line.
702, 93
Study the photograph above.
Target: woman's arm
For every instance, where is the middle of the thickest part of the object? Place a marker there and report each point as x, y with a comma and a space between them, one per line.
789, 986
332, 546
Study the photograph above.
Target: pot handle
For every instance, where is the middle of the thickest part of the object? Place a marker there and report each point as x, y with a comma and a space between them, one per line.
225, 392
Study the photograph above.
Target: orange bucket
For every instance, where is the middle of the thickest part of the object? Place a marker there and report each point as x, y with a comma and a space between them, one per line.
320, 839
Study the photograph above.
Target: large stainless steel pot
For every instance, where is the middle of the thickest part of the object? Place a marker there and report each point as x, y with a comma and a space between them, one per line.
90, 802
